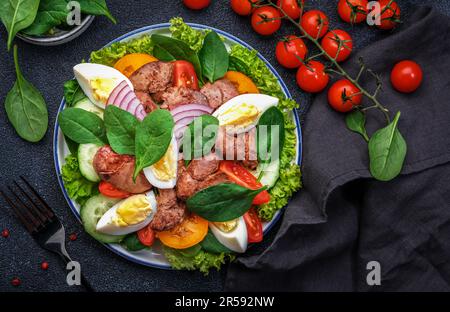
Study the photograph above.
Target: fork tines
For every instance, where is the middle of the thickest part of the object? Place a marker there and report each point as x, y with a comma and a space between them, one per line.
28, 206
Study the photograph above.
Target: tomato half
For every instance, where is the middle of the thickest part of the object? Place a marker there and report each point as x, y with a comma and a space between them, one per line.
353, 11
243, 7
293, 8
146, 236
196, 4
312, 78
184, 75
406, 76
128, 64
266, 20
243, 83
254, 226
188, 233
344, 95
290, 51
110, 190
311, 23
241, 176
330, 43
390, 15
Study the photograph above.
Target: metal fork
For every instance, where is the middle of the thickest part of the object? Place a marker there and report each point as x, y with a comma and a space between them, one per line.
39, 220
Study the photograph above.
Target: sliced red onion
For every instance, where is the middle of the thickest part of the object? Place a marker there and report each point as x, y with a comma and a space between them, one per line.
123, 97
191, 107
116, 91
127, 100
185, 114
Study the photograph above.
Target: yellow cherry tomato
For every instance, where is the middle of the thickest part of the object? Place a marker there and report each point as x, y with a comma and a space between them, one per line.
128, 64
243, 83
188, 233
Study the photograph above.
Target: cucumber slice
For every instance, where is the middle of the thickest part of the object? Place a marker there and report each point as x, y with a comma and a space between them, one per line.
87, 105
269, 173
86, 153
92, 211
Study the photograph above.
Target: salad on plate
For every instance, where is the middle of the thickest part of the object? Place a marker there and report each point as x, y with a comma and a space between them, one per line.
179, 141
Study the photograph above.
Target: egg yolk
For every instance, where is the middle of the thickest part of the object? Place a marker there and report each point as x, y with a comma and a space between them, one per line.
227, 226
102, 88
242, 115
164, 169
133, 210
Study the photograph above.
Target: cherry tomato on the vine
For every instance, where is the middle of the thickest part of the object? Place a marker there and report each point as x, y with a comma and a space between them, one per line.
344, 95
330, 43
293, 8
290, 51
312, 77
197, 4
266, 20
406, 76
313, 22
243, 7
390, 15
353, 11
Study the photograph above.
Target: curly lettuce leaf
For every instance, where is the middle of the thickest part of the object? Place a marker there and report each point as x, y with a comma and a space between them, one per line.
78, 187
202, 261
181, 31
110, 55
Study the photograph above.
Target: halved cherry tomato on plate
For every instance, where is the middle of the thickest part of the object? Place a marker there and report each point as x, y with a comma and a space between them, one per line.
188, 233
146, 236
243, 83
184, 75
110, 190
241, 176
254, 226
128, 64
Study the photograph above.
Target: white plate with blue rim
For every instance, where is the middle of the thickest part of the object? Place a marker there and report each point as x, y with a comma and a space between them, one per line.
154, 257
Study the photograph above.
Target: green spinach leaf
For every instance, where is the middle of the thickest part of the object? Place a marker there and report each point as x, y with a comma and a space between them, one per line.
271, 120
356, 122
213, 57
26, 108
222, 202
153, 137
200, 136
82, 126
96, 7
236, 64
211, 244
73, 92
387, 152
162, 54
17, 15
131, 242
179, 50
120, 129
51, 13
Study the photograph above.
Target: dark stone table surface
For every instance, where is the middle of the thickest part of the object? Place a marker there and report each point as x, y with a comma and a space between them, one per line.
47, 68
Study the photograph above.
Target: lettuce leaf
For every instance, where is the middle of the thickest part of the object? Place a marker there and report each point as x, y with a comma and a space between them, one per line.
78, 187
181, 31
110, 55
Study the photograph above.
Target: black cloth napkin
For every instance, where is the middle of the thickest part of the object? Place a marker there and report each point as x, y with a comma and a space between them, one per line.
343, 219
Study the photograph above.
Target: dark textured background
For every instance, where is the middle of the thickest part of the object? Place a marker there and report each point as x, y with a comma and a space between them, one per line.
47, 68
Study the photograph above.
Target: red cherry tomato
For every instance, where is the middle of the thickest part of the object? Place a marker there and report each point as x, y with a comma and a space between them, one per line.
293, 8
353, 11
312, 78
184, 75
330, 43
289, 50
390, 16
241, 176
243, 7
406, 76
110, 190
344, 95
146, 236
311, 23
196, 4
266, 20
254, 226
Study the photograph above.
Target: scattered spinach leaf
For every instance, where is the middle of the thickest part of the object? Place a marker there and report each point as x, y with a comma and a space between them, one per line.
356, 122
51, 13
153, 137
26, 108
200, 136
82, 126
271, 118
131, 242
387, 151
162, 54
222, 202
120, 129
211, 244
96, 7
213, 57
73, 92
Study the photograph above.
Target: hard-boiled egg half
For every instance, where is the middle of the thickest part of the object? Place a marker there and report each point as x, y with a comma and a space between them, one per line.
232, 234
242, 113
98, 81
163, 174
128, 215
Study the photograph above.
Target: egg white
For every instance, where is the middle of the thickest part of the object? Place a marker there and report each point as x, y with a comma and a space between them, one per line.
235, 240
106, 225
261, 101
85, 72
154, 180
